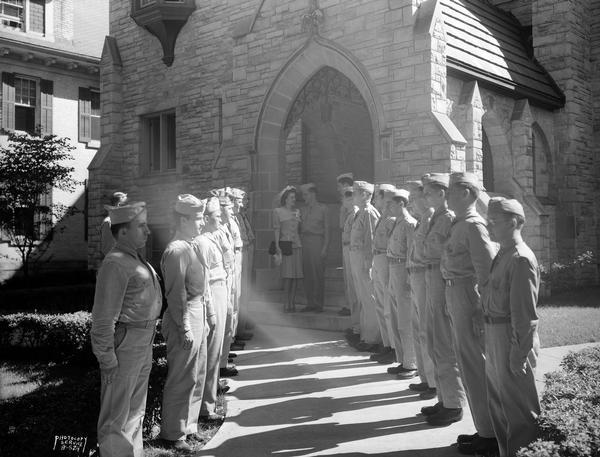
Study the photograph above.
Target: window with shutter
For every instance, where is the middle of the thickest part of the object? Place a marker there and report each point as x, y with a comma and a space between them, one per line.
8, 101
89, 116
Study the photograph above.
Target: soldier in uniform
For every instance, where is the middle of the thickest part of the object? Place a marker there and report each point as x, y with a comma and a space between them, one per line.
127, 303
361, 257
208, 246
381, 271
465, 266
415, 264
400, 312
315, 241
450, 390
344, 183
238, 197
184, 324
511, 338
107, 241
352, 333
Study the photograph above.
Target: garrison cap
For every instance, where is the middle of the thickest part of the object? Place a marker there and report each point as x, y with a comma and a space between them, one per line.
387, 188
413, 185
236, 193
307, 186
349, 176
401, 193
223, 196
467, 179
125, 213
505, 206
189, 205
347, 190
441, 179
118, 198
364, 186
212, 205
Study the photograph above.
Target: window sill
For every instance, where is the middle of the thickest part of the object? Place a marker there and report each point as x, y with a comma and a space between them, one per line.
92, 144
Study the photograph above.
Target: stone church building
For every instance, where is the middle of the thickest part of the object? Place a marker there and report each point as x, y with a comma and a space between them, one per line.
264, 93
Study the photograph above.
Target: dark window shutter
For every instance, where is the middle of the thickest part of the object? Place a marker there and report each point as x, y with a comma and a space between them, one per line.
85, 115
46, 94
8, 101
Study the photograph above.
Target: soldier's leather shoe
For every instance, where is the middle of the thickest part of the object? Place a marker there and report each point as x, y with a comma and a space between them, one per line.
237, 347
394, 370
406, 373
245, 336
430, 410
445, 416
228, 371
222, 390
387, 358
384, 351
466, 438
420, 387
428, 394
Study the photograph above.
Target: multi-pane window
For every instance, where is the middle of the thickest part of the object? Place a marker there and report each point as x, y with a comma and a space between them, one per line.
25, 103
158, 141
89, 115
12, 13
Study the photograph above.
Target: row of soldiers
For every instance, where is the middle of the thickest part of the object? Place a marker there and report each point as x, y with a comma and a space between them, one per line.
430, 289
206, 273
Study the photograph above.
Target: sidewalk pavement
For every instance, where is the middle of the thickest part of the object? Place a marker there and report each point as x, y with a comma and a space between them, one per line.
303, 392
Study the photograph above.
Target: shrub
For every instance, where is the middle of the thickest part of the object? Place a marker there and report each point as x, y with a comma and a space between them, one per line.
570, 418
56, 337
562, 275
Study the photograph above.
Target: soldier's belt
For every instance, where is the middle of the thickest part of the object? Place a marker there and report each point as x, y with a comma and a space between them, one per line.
379, 251
139, 324
396, 260
416, 269
456, 281
496, 319
433, 266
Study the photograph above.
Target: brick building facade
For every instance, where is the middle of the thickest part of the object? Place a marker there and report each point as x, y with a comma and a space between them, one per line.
49, 65
262, 94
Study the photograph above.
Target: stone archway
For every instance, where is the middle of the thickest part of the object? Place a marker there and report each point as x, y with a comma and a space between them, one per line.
273, 127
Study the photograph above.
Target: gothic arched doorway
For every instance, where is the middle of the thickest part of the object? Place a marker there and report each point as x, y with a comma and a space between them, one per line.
328, 131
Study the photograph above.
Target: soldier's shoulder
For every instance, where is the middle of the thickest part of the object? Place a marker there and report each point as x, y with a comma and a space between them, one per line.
522, 251
177, 246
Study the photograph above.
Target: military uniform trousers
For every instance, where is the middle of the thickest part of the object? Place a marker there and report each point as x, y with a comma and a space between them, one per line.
313, 268
246, 281
381, 279
123, 401
214, 346
402, 313
228, 331
418, 298
369, 328
237, 289
182, 394
449, 386
351, 296
513, 400
463, 301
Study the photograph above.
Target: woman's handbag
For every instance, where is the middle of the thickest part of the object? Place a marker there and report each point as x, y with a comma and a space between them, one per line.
285, 246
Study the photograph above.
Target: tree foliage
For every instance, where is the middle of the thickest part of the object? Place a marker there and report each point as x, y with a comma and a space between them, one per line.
30, 167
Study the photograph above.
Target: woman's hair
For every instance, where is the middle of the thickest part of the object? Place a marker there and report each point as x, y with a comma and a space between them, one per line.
285, 194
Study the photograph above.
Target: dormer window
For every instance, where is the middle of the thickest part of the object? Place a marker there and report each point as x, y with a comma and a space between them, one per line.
163, 19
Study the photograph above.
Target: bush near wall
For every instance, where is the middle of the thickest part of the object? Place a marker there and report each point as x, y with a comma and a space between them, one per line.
570, 418
49, 299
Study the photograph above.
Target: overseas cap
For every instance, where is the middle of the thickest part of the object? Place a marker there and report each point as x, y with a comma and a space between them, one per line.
125, 213
468, 179
441, 179
503, 205
364, 186
347, 191
387, 188
237, 193
307, 186
189, 205
212, 205
349, 176
401, 193
414, 185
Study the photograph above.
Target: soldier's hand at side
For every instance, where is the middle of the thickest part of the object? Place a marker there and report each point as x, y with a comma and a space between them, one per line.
518, 366
107, 375
212, 321
187, 340
477, 320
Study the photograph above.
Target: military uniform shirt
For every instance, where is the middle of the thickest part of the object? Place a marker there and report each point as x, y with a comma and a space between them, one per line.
234, 230
127, 290
469, 250
416, 246
400, 240
344, 213
383, 231
208, 247
186, 279
348, 225
437, 234
314, 219
513, 292
361, 235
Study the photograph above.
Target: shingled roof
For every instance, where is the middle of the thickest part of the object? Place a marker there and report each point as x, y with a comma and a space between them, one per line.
490, 45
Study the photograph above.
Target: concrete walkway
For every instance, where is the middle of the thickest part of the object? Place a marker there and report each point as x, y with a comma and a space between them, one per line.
303, 392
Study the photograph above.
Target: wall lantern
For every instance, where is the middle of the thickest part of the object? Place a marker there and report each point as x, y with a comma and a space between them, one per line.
163, 19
